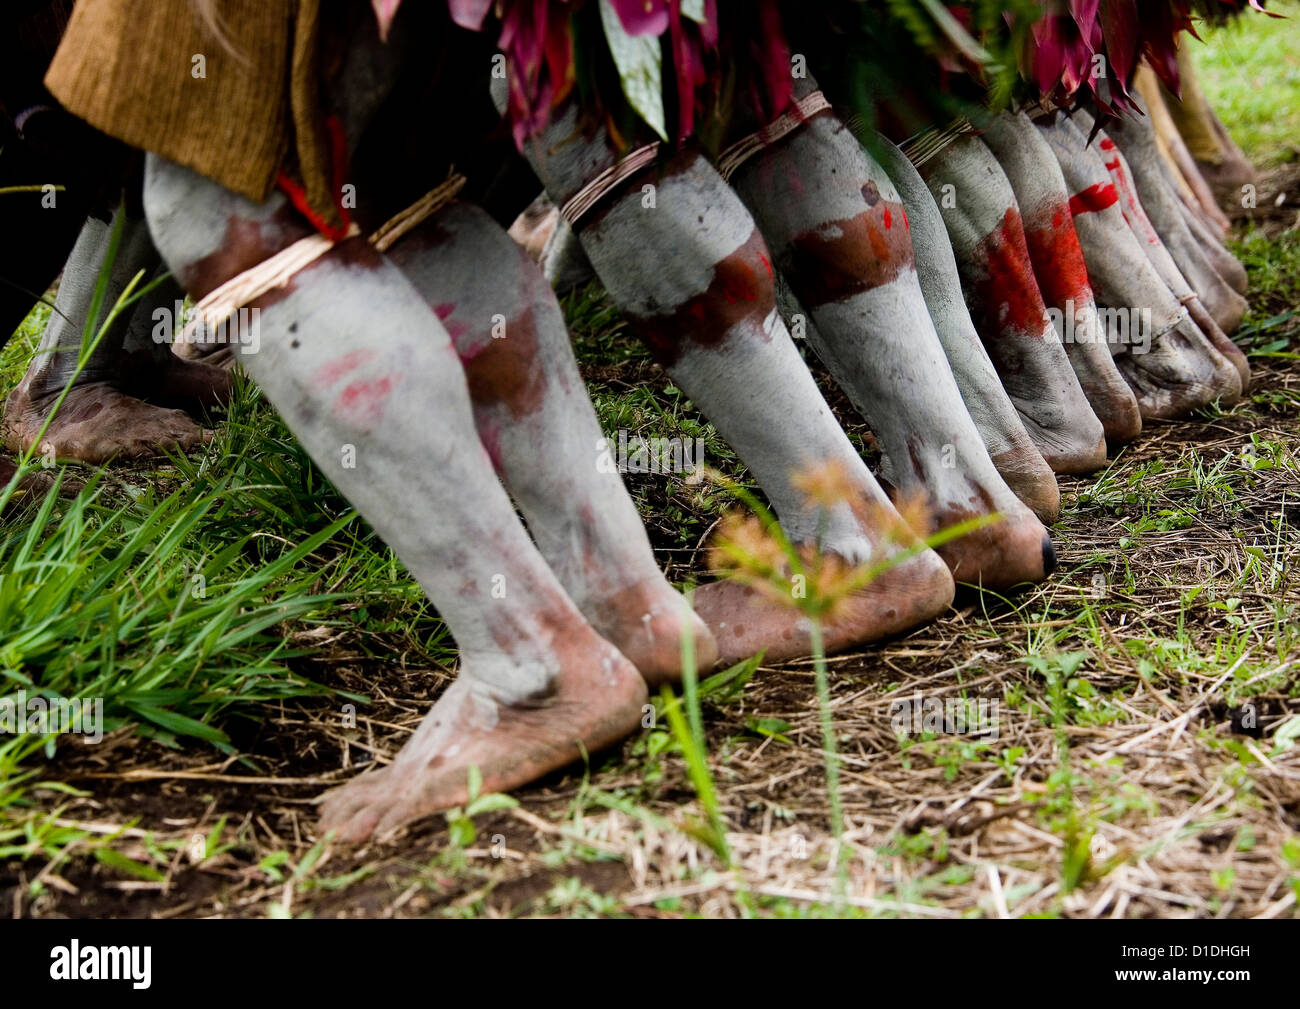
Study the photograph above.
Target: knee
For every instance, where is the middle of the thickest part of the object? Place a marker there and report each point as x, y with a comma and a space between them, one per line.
464, 260
743, 285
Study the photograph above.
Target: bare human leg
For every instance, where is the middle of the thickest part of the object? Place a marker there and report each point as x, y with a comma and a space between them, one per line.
381, 402
1060, 270
983, 219
1012, 450
1174, 369
840, 234
534, 417
101, 419
695, 278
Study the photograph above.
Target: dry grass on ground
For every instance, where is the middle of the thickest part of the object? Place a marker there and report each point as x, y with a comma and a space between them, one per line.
1145, 761
1137, 768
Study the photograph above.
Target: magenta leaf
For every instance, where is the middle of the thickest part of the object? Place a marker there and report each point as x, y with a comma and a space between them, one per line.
642, 17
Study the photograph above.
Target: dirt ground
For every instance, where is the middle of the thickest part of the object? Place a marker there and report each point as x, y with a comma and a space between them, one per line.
1136, 769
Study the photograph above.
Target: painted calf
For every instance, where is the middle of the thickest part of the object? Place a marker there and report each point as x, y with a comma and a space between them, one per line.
1136, 139
840, 235
1008, 444
696, 280
411, 423
1060, 270
1176, 370
1147, 233
983, 220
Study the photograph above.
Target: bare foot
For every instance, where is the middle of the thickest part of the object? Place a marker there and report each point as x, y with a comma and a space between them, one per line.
1026, 472
745, 622
1222, 343
1064, 446
1013, 551
1178, 376
1113, 402
646, 622
1226, 306
1010, 551
1227, 266
596, 699
97, 422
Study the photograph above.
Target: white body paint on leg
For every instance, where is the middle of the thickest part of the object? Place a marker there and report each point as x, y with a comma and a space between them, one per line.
748, 379
390, 386
983, 220
840, 234
1227, 265
1136, 139
1009, 445
533, 415
1040, 191
56, 356
1176, 370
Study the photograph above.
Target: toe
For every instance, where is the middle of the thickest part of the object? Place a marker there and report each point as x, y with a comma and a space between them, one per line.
362, 824
1049, 555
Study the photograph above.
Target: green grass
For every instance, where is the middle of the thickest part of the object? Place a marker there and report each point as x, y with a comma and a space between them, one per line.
1250, 71
16, 355
193, 596
187, 596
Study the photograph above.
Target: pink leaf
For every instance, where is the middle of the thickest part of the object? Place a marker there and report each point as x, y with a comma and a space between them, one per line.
642, 17
385, 11
1085, 15
1119, 25
468, 13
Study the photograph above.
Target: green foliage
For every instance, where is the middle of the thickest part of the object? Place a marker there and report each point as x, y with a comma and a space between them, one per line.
460, 820
1250, 72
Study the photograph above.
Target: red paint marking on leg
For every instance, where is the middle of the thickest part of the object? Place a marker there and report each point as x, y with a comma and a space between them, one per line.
767, 263
738, 292
740, 284
1093, 199
444, 311
506, 372
840, 259
362, 402
1131, 206
889, 219
1107, 144
879, 244
330, 372
1008, 295
1056, 257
